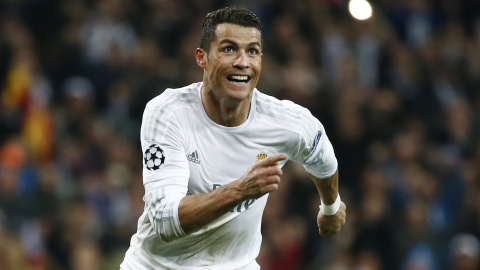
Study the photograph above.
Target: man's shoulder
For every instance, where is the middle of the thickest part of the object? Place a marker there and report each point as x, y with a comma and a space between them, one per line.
176, 96
287, 115
159, 110
279, 108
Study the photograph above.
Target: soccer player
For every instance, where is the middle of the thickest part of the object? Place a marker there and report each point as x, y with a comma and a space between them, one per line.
214, 150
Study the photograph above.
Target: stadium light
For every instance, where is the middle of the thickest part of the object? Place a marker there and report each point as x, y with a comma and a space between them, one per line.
360, 9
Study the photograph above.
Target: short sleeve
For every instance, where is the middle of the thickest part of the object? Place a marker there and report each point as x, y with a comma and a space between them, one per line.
315, 151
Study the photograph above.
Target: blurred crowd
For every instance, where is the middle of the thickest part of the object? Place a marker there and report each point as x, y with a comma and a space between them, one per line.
399, 96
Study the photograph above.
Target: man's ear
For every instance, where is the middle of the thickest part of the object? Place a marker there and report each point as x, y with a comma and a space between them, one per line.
201, 57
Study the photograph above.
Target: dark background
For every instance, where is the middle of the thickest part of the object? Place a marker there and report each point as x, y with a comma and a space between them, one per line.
398, 95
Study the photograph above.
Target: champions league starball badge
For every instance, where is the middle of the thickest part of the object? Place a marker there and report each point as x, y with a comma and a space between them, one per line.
153, 157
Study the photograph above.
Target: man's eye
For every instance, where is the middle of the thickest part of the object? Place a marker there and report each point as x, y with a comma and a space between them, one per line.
228, 49
253, 51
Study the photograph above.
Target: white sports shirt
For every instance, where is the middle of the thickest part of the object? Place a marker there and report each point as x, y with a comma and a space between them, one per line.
185, 152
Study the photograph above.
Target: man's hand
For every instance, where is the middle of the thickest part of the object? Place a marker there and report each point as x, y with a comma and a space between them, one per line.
197, 210
261, 177
328, 225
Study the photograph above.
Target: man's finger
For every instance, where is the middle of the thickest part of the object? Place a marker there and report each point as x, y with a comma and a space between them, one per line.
273, 170
271, 160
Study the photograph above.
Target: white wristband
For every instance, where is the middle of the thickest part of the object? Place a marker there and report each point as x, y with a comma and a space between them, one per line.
332, 209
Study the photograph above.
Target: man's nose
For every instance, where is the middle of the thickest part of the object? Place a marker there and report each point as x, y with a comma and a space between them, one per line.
241, 61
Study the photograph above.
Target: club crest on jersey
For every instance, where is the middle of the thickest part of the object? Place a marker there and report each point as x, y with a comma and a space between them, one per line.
154, 157
261, 156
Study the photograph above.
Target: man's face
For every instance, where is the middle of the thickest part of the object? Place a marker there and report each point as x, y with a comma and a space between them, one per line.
233, 65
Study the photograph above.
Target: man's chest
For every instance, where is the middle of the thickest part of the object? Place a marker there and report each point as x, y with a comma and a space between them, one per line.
218, 158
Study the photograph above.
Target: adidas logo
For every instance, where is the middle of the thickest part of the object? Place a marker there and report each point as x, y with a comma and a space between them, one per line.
193, 157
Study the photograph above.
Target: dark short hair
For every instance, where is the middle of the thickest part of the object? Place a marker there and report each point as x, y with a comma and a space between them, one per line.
234, 15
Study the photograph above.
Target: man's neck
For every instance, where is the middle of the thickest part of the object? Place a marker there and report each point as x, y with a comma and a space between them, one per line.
225, 112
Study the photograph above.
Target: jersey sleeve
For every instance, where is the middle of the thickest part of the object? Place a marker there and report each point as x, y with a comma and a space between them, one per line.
163, 146
315, 151
165, 168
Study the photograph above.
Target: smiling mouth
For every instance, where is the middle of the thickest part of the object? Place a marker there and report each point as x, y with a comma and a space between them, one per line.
239, 79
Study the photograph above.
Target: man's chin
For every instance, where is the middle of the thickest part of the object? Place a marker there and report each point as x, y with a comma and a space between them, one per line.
240, 93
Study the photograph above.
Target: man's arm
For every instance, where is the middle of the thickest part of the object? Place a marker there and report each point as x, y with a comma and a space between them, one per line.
196, 211
328, 190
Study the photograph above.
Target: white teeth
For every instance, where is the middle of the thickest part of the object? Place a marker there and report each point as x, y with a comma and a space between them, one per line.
239, 78
237, 82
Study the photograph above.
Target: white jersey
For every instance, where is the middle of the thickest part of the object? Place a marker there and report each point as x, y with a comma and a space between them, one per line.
186, 151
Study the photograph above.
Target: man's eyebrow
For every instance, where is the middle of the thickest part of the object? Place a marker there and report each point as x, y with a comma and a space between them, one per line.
251, 44
227, 41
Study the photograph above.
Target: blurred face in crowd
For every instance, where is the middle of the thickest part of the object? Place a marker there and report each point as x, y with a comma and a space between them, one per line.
233, 64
